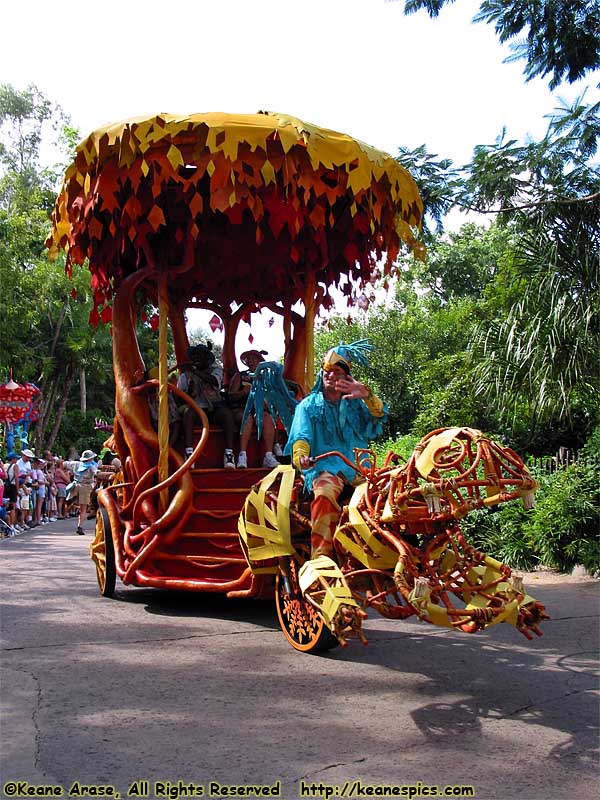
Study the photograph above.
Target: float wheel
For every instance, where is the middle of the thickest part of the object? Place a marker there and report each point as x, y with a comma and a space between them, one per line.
102, 553
302, 625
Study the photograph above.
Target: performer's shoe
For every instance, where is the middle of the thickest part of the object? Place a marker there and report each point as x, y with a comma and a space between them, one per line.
270, 461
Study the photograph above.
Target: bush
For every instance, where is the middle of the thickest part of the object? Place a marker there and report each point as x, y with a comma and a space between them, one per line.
500, 532
401, 445
563, 528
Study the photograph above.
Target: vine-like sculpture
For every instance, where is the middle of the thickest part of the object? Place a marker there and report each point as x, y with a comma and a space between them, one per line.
399, 548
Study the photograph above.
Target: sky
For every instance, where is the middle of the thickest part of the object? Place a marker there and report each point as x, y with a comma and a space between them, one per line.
357, 66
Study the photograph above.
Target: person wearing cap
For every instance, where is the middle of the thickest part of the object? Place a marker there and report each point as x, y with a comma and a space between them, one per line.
84, 475
239, 389
202, 378
340, 413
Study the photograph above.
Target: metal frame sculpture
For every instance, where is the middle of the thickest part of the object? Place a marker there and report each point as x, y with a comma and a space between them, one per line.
399, 549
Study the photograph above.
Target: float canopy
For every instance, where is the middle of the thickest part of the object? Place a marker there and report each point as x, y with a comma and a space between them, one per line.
235, 207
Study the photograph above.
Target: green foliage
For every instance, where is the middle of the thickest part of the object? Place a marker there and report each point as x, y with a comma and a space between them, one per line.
402, 446
543, 350
460, 264
77, 432
448, 397
501, 533
560, 532
556, 170
564, 525
436, 180
591, 449
562, 37
44, 319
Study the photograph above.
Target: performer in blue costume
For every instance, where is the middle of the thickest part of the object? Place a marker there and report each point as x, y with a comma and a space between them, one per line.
340, 414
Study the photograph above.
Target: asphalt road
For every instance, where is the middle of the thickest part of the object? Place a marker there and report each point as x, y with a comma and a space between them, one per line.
184, 691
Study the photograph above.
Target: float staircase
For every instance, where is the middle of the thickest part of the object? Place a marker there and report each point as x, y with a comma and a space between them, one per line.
206, 555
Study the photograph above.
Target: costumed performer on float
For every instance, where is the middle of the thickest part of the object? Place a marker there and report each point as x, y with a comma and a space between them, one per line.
340, 413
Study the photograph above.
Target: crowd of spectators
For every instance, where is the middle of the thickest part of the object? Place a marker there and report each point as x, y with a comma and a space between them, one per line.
38, 490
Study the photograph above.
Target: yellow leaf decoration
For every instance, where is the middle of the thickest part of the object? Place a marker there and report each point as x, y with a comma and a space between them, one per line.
267, 196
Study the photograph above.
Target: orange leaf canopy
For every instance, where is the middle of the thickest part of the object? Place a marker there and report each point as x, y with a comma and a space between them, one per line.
234, 207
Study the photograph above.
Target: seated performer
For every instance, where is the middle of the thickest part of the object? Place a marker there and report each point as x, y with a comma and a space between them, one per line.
239, 389
202, 379
340, 413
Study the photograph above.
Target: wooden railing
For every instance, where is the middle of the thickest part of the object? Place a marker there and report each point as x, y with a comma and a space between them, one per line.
564, 457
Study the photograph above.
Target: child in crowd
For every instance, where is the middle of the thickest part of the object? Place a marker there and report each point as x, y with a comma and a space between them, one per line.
24, 501
38, 486
52, 502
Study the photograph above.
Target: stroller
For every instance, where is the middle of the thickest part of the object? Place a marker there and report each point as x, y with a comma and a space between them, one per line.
5, 529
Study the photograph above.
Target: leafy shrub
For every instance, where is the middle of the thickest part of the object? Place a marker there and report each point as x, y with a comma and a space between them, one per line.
401, 445
564, 526
500, 532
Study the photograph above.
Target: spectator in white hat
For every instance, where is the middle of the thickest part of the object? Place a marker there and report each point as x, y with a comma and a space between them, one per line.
84, 473
24, 463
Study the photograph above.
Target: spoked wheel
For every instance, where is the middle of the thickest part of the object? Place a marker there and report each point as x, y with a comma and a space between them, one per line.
303, 627
102, 553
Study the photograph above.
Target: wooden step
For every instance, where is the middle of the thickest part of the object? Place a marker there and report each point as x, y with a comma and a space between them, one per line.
209, 477
205, 522
207, 554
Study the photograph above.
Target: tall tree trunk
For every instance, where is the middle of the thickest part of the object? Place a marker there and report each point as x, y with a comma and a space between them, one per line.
49, 378
83, 390
69, 379
48, 398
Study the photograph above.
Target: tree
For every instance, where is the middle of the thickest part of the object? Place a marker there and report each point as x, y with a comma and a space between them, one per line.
541, 358
44, 328
460, 264
535, 349
562, 37
420, 367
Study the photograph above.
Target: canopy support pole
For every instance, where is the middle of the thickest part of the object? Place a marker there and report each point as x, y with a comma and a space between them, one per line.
309, 305
163, 398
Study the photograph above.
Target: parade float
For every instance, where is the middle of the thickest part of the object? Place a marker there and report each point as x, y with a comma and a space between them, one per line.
235, 214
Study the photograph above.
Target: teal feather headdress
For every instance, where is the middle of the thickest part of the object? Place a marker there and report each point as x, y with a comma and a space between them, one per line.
344, 355
356, 352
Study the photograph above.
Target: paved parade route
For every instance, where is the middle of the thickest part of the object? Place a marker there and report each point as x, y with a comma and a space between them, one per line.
177, 695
